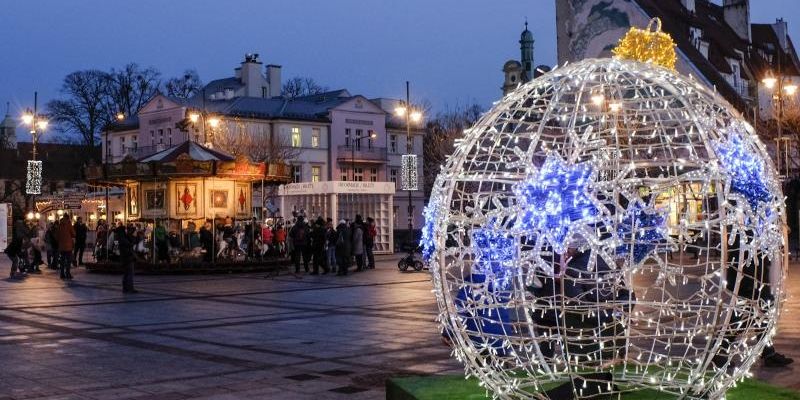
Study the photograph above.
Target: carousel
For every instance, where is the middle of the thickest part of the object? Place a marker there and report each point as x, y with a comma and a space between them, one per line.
184, 188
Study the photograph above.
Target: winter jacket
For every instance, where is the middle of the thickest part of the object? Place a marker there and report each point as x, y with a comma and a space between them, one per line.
80, 234
65, 235
344, 241
358, 239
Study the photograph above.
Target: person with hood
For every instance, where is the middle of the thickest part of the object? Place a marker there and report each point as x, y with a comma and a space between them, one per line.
65, 235
51, 245
318, 247
80, 241
299, 234
358, 242
344, 241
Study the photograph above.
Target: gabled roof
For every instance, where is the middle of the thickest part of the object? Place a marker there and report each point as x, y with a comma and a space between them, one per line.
219, 85
195, 152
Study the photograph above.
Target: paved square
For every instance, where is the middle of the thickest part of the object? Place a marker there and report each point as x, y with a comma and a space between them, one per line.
239, 336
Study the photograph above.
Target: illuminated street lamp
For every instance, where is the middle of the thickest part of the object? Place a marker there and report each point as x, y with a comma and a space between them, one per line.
37, 124
409, 179
782, 87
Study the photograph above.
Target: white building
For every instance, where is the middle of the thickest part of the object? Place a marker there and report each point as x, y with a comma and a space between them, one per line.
324, 129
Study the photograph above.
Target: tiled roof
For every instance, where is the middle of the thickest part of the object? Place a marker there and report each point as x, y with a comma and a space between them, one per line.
195, 151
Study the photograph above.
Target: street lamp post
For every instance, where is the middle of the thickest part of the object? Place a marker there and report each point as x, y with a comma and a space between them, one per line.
372, 135
33, 184
411, 115
781, 91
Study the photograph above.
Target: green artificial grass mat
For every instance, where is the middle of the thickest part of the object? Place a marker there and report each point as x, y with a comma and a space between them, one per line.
455, 387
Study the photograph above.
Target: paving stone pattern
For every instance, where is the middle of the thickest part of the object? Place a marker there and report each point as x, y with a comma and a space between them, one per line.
242, 336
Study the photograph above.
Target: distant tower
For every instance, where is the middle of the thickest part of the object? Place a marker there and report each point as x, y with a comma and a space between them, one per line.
519, 72
8, 131
526, 50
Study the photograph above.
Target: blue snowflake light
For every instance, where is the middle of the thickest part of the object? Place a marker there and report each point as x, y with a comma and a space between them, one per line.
555, 198
427, 242
746, 170
495, 254
641, 230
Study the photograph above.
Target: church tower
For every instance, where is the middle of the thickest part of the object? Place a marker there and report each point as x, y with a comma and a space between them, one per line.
526, 50
518, 72
8, 131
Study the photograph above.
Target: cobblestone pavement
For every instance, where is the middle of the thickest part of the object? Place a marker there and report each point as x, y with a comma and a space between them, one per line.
234, 336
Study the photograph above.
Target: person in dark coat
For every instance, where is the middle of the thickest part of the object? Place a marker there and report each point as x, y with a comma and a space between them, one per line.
13, 250
125, 240
370, 233
207, 241
80, 241
330, 245
754, 285
318, 247
343, 243
300, 236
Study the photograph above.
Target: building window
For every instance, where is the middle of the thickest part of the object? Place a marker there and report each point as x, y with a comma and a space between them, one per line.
122, 145
393, 175
152, 137
369, 138
373, 176
395, 209
297, 173
393, 143
347, 134
344, 174
160, 136
359, 175
296, 140
315, 137
135, 142
316, 171
359, 133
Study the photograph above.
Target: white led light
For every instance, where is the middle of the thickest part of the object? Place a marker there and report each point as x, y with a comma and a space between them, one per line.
569, 234
33, 179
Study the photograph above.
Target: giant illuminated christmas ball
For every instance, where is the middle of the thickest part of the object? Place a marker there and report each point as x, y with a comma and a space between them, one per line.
611, 226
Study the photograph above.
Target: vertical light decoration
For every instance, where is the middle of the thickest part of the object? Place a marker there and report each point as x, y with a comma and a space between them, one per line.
33, 179
578, 229
408, 169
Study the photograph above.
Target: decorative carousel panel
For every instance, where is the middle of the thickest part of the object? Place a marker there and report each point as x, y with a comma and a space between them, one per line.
186, 197
155, 199
134, 200
243, 200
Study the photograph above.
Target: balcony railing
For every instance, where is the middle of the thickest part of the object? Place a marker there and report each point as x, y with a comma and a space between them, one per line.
362, 153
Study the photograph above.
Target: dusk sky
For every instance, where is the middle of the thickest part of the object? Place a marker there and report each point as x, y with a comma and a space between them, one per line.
452, 51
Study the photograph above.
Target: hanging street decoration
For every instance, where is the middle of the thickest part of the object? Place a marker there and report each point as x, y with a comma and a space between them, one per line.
408, 171
33, 179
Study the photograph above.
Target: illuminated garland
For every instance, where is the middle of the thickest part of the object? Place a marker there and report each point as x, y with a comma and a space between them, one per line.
647, 46
543, 225
33, 178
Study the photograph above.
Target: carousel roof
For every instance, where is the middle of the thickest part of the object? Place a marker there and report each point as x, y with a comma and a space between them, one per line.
195, 151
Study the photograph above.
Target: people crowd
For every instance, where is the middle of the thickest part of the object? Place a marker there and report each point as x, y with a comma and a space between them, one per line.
320, 246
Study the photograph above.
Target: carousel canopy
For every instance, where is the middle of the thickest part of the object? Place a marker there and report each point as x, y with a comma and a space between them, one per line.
196, 152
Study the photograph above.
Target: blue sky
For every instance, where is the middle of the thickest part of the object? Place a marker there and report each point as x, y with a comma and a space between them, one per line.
451, 50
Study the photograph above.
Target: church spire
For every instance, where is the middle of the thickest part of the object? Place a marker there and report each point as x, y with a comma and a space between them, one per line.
526, 50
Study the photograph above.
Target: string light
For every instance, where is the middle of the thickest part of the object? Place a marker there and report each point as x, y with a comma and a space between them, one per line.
33, 178
408, 169
566, 237
647, 46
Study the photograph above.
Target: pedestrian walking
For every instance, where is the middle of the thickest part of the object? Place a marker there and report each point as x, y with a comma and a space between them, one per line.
65, 235
370, 234
13, 251
358, 242
344, 242
80, 241
51, 246
330, 245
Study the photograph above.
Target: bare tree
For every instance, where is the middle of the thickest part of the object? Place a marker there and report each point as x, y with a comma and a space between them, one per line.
185, 86
441, 132
301, 86
83, 111
129, 88
234, 138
